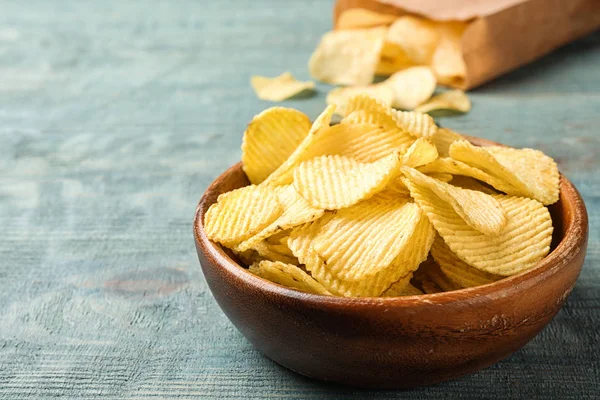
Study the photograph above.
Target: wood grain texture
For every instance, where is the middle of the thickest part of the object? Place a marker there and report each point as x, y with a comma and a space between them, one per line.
114, 118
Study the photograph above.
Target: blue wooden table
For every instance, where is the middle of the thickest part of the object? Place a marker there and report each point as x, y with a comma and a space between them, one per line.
116, 115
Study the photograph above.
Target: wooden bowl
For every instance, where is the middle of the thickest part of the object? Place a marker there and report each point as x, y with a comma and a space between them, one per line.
397, 342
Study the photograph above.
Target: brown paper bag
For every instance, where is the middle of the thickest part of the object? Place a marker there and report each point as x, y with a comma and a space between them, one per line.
502, 34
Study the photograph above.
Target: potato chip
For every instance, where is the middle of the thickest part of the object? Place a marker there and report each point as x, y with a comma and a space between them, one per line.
435, 274
538, 171
402, 288
447, 165
447, 62
466, 182
300, 241
430, 287
288, 275
480, 157
412, 86
455, 100
269, 140
442, 177
348, 57
421, 152
340, 96
479, 210
362, 142
371, 111
334, 182
284, 173
443, 138
296, 212
280, 88
248, 257
360, 18
275, 252
415, 123
418, 37
392, 59
280, 237
417, 249
241, 213
363, 240
457, 271
523, 242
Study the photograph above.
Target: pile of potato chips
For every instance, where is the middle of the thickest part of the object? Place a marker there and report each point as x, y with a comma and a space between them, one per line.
415, 53
383, 204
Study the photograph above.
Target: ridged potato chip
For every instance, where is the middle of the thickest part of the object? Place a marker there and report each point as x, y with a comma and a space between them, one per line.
447, 165
348, 57
284, 173
411, 86
441, 177
421, 152
363, 240
334, 182
340, 96
523, 242
301, 238
480, 211
415, 123
288, 275
466, 182
455, 100
275, 252
372, 111
418, 37
404, 264
480, 157
434, 273
456, 270
271, 137
538, 171
402, 290
279, 88
360, 18
296, 212
443, 138
362, 142
241, 213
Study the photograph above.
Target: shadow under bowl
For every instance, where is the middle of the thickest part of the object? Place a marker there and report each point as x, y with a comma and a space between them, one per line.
395, 342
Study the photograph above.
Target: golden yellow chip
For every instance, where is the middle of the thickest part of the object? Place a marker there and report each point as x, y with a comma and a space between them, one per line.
284, 173
372, 111
301, 238
360, 18
407, 261
447, 62
296, 212
480, 211
362, 142
275, 252
363, 240
447, 165
538, 171
457, 270
417, 36
466, 182
269, 140
443, 177
348, 57
415, 123
435, 274
523, 242
340, 96
455, 100
280, 88
402, 290
334, 182
241, 213
248, 257
392, 59
412, 86
443, 138
288, 275
421, 152
480, 157
279, 237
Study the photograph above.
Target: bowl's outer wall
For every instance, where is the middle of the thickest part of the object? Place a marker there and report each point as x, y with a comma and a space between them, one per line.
394, 343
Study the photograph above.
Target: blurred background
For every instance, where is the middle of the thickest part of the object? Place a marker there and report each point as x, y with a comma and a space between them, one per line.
114, 118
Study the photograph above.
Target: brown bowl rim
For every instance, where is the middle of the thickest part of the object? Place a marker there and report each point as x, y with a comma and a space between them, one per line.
571, 244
